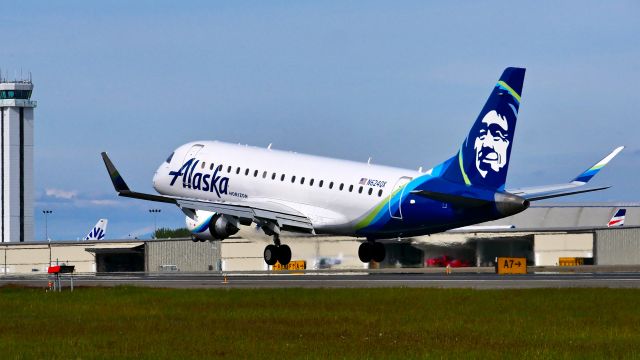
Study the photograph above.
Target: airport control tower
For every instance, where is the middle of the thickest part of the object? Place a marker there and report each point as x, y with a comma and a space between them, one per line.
16, 155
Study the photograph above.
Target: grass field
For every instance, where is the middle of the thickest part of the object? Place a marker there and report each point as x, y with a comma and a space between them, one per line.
397, 323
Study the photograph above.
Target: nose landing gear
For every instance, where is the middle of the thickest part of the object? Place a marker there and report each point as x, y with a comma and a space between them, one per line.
371, 250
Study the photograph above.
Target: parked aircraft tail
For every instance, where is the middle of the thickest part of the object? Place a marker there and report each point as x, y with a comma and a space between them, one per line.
98, 231
618, 218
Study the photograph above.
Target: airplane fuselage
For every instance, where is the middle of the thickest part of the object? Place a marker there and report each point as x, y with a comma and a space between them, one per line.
338, 196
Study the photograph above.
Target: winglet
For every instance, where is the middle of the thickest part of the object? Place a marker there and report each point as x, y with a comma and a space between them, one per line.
592, 171
116, 179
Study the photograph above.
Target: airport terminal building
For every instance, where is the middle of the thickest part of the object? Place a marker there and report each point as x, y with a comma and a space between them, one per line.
542, 234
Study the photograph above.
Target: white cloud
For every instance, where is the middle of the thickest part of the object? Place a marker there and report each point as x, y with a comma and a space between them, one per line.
61, 194
104, 202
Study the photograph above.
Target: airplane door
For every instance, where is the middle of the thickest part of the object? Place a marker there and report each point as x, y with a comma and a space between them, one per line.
395, 208
195, 149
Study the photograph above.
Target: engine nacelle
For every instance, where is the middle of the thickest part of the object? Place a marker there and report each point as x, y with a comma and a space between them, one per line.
222, 226
212, 226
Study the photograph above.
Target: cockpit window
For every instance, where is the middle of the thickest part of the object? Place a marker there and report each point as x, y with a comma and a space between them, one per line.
169, 158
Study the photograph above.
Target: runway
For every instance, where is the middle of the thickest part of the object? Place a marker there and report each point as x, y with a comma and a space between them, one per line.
351, 280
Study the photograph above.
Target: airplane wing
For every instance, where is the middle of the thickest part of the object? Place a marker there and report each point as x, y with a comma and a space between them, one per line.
550, 191
258, 211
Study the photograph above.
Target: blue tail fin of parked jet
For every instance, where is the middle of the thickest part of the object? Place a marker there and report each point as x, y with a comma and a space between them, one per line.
483, 158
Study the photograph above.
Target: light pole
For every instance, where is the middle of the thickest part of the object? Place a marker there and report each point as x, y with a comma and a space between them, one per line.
155, 212
46, 230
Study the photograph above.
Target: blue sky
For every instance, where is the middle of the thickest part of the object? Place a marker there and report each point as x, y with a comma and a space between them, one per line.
399, 81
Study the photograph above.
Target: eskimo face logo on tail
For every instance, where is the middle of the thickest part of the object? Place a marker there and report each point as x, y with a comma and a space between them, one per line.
492, 143
200, 181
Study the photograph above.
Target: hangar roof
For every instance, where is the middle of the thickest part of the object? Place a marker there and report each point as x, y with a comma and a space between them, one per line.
570, 215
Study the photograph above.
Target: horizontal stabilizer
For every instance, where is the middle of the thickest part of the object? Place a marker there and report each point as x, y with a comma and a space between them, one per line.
566, 193
571, 188
592, 171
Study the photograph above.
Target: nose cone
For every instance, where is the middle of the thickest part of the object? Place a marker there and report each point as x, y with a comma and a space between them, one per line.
509, 204
157, 176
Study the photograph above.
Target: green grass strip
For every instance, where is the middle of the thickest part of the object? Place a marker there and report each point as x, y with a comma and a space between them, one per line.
395, 323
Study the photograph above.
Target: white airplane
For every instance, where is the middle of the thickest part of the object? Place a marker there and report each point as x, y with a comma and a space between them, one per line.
98, 231
221, 186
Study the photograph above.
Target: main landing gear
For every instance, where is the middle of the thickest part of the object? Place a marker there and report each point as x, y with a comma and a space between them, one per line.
371, 250
277, 252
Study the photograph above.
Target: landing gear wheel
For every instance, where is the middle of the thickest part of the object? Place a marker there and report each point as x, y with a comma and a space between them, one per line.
365, 252
271, 254
284, 254
379, 252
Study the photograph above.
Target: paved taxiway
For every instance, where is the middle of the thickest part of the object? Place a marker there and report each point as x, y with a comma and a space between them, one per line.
363, 280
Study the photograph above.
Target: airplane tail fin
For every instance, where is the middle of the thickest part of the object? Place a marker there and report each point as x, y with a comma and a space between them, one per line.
618, 218
483, 158
98, 231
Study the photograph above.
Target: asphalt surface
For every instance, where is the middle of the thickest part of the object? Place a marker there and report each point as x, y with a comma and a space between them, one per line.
349, 280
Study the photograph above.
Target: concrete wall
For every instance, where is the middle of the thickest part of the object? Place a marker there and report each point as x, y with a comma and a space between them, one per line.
548, 248
18, 258
318, 252
186, 256
617, 246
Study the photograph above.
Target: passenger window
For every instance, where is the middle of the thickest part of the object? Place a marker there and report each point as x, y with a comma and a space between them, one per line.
238, 170
370, 191
282, 177
264, 175
170, 157
379, 192
229, 169
360, 190
331, 185
302, 180
341, 186
211, 166
293, 179
203, 165
255, 173
273, 176
246, 173
220, 167
350, 188
321, 182
311, 182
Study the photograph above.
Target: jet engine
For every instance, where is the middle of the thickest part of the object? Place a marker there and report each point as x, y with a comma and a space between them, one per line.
212, 226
